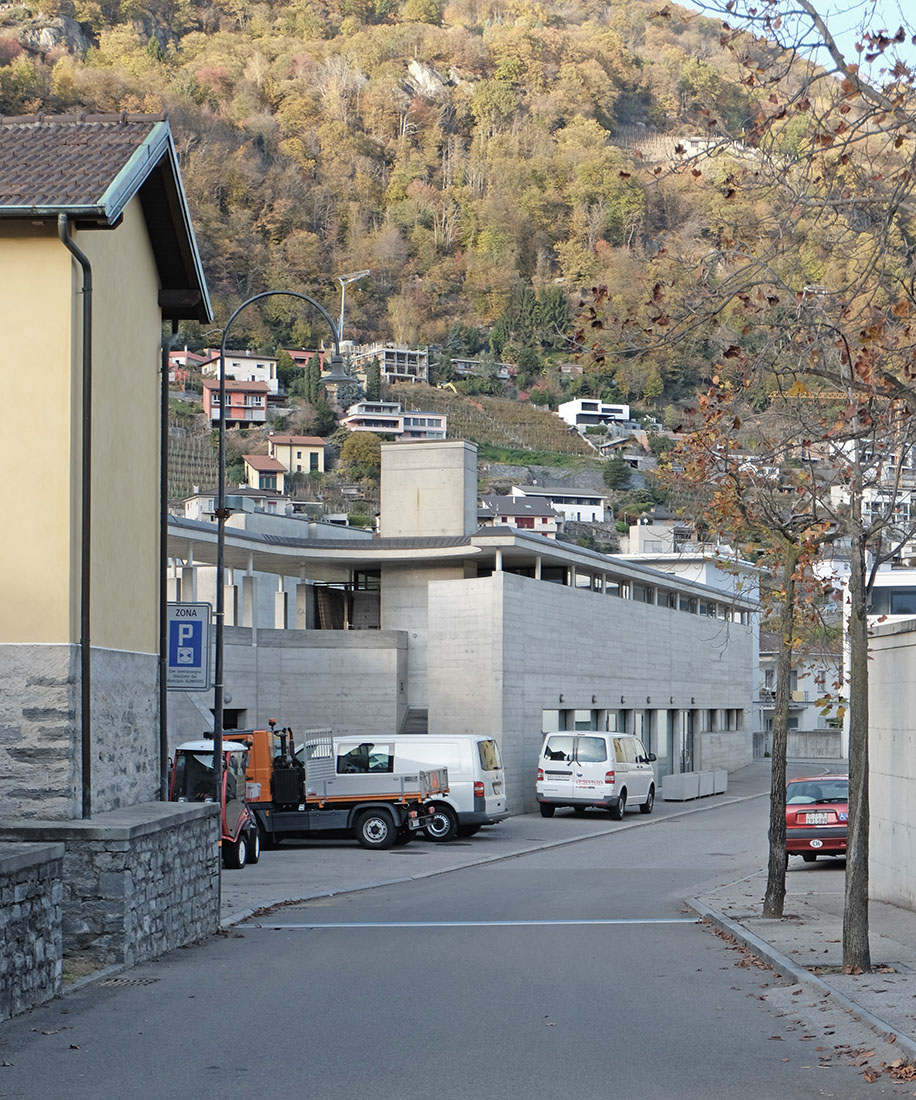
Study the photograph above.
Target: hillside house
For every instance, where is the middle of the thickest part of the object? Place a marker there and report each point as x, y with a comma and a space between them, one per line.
299, 454
246, 402
397, 362
575, 505
264, 472
588, 412
521, 513
387, 418
243, 366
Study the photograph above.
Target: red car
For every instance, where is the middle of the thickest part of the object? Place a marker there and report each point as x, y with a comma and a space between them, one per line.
817, 814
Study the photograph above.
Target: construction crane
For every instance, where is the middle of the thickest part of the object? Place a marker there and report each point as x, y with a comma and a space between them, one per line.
345, 281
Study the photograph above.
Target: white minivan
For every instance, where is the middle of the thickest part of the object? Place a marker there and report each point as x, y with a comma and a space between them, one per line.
608, 770
476, 780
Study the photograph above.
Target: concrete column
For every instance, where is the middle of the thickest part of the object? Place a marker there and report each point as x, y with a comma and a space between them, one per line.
498, 563
304, 612
281, 606
231, 598
189, 583
247, 600
537, 567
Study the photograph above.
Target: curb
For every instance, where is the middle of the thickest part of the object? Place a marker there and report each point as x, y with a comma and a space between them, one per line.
788, 969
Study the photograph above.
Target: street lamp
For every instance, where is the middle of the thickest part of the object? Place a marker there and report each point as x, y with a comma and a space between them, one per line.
336, 374
345, 281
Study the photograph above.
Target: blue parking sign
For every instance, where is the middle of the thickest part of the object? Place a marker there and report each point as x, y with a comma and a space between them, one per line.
188, 647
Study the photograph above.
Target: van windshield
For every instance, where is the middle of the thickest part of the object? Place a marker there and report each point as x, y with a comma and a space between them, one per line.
489, 755
584, 750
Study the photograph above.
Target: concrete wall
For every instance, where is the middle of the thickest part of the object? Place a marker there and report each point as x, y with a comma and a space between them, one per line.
892, 763
30, 925
40, 739
428, 488
351, 681
508, 647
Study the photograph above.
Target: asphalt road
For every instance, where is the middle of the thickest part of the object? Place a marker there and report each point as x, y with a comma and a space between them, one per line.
575, 971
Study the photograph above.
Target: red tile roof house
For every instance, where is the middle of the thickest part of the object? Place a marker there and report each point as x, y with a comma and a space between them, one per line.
300, 454
246, 402
264, 472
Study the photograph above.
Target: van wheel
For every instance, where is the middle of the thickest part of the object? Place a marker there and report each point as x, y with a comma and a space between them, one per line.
444, 824
646, 807
617, 811
546, 809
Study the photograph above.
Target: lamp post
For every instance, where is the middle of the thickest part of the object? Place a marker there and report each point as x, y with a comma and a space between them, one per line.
345, 281
337, 374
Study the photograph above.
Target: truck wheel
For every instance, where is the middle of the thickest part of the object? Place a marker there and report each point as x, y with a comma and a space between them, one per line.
546, 809
375, 829
254, 846
444, 824
235, 855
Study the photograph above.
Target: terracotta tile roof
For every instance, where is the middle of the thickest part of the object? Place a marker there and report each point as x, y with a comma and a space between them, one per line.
296, 440
67, 160
89, 168
264, 464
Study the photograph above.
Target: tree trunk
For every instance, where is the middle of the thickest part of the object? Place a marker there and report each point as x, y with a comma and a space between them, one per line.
775, 896
856, 952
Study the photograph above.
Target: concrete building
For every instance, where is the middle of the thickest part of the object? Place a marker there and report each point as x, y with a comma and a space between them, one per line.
387, 418
397, 362
495, 630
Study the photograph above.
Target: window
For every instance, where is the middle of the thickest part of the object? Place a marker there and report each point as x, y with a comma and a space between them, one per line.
367, 756
313, 462
490, 759
525, 522
267, 481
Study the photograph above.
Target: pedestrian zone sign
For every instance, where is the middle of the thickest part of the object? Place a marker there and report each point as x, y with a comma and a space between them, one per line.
189, 647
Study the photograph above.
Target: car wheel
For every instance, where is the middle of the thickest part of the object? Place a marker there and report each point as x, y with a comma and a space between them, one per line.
444, 825
254, 846
235, 855
646, 807
809, 857
578, 810
546, 809
375, 829
468, 830
617, 811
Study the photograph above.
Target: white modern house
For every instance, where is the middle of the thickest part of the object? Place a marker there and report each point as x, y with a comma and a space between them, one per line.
387, 418
589, 412
243, 366
576, 505
440, 623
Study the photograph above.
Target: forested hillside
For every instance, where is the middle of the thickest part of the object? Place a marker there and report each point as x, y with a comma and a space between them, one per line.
453, 147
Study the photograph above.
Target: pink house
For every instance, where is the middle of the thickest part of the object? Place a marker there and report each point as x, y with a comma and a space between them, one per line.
246, 402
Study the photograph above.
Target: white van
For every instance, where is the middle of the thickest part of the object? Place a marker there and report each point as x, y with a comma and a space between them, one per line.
476, 780
608, 770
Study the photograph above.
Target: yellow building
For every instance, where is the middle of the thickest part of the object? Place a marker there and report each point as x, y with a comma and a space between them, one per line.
300, 454
96, 251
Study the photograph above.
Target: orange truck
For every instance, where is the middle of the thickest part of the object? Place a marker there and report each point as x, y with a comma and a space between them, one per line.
298, 791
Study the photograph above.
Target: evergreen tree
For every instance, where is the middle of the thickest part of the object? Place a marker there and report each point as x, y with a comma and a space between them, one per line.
374, 381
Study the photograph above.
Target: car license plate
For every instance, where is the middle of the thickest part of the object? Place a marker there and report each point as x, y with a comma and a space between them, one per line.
817, 819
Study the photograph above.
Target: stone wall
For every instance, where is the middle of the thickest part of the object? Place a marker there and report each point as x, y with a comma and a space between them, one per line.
30, 925
137, 881
40, 740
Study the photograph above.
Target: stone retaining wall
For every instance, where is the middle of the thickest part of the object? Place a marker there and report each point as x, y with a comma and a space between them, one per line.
137, 882
30, 925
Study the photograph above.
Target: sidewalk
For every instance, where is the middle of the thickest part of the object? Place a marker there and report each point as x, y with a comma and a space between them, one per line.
805, 946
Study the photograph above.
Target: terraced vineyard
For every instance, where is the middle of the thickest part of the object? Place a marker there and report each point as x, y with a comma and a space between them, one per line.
496, 421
